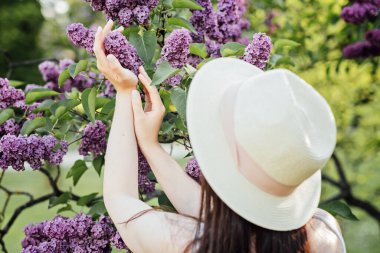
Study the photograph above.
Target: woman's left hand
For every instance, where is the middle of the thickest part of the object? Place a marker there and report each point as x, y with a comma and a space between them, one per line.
122, 79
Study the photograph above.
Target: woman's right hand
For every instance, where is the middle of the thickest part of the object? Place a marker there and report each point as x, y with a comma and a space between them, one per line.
148, 120
121, 78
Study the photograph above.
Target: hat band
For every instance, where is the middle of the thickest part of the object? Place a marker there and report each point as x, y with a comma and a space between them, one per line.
245, 164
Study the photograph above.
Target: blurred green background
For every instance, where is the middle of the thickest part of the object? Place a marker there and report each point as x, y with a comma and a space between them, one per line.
31, 31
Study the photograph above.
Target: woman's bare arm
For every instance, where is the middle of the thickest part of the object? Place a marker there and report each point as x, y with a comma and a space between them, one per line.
154, 231
181, 189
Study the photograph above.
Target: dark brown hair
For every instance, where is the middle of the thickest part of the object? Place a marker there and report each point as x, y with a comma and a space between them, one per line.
227, 232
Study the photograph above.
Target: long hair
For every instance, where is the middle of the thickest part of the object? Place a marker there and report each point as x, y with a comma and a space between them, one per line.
227, 232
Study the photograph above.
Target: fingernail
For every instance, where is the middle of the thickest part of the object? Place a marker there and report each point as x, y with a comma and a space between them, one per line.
111, 58
135, 94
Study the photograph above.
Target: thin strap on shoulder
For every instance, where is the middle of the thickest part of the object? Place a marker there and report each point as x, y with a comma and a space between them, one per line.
137, 215
331, 223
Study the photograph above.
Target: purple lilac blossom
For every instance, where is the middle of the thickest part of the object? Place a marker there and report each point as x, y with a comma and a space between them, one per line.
228, 20
109, 90
194, 60
125, 17
361, 49
258, 51
358, 12
77, 234
115, 43
94, 139
15, 150
9, 95
205, 22
64, 63
97, 5
141, 14
10, 127
193, 170
145, 185
49, 71
81, 36
177, 48
373, 37
213, 48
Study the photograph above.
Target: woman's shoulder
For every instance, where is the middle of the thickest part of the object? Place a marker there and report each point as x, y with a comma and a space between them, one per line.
324, 233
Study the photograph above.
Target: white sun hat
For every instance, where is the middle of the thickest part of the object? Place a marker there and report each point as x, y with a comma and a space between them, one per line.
261, 140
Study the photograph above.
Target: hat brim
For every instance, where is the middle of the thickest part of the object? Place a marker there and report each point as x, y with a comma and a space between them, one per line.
216, 162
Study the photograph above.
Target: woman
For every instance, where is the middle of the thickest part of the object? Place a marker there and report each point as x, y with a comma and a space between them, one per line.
239, 206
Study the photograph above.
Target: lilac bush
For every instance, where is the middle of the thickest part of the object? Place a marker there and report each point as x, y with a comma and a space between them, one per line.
74, 105
78, 234
359, 12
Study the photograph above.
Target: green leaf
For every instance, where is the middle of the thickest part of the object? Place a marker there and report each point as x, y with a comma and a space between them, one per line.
79, 67
166, 127
30, 125
108, 110
178, 97
198, 49
163, 72
281, 43
65, 74
204, 62
39, 93
61, 107
66, 208
101, 101
98, 164
6, 114
71, 69
188, 4
77, 171
145, 44
165, 203
88, 102
84, 200
16, 83
177, 21
338, 208
97, 209
168, 4
286, 60
232, 49
61, 199
44, 106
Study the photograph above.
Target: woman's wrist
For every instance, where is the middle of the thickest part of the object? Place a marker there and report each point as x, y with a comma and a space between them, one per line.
147, 149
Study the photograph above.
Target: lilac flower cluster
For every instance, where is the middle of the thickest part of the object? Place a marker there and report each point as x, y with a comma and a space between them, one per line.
363, 49
217, 27
193, 169
125, 11
258, 51
94, 139
115, 43
145, 185
8, 94
77, 234
10, 127
15, 150
176, 51
360, 11
50, 72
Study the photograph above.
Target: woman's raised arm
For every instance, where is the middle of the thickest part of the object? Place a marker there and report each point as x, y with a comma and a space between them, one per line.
155, 231
181, 189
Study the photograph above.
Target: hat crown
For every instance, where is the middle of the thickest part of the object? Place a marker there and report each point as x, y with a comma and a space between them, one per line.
284, 125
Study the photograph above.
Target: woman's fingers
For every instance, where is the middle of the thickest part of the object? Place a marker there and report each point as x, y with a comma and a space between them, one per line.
137, 104
108, 27
143, 72
98, 48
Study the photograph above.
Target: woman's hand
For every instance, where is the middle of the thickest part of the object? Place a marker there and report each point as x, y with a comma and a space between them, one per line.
121, 78
148, 120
